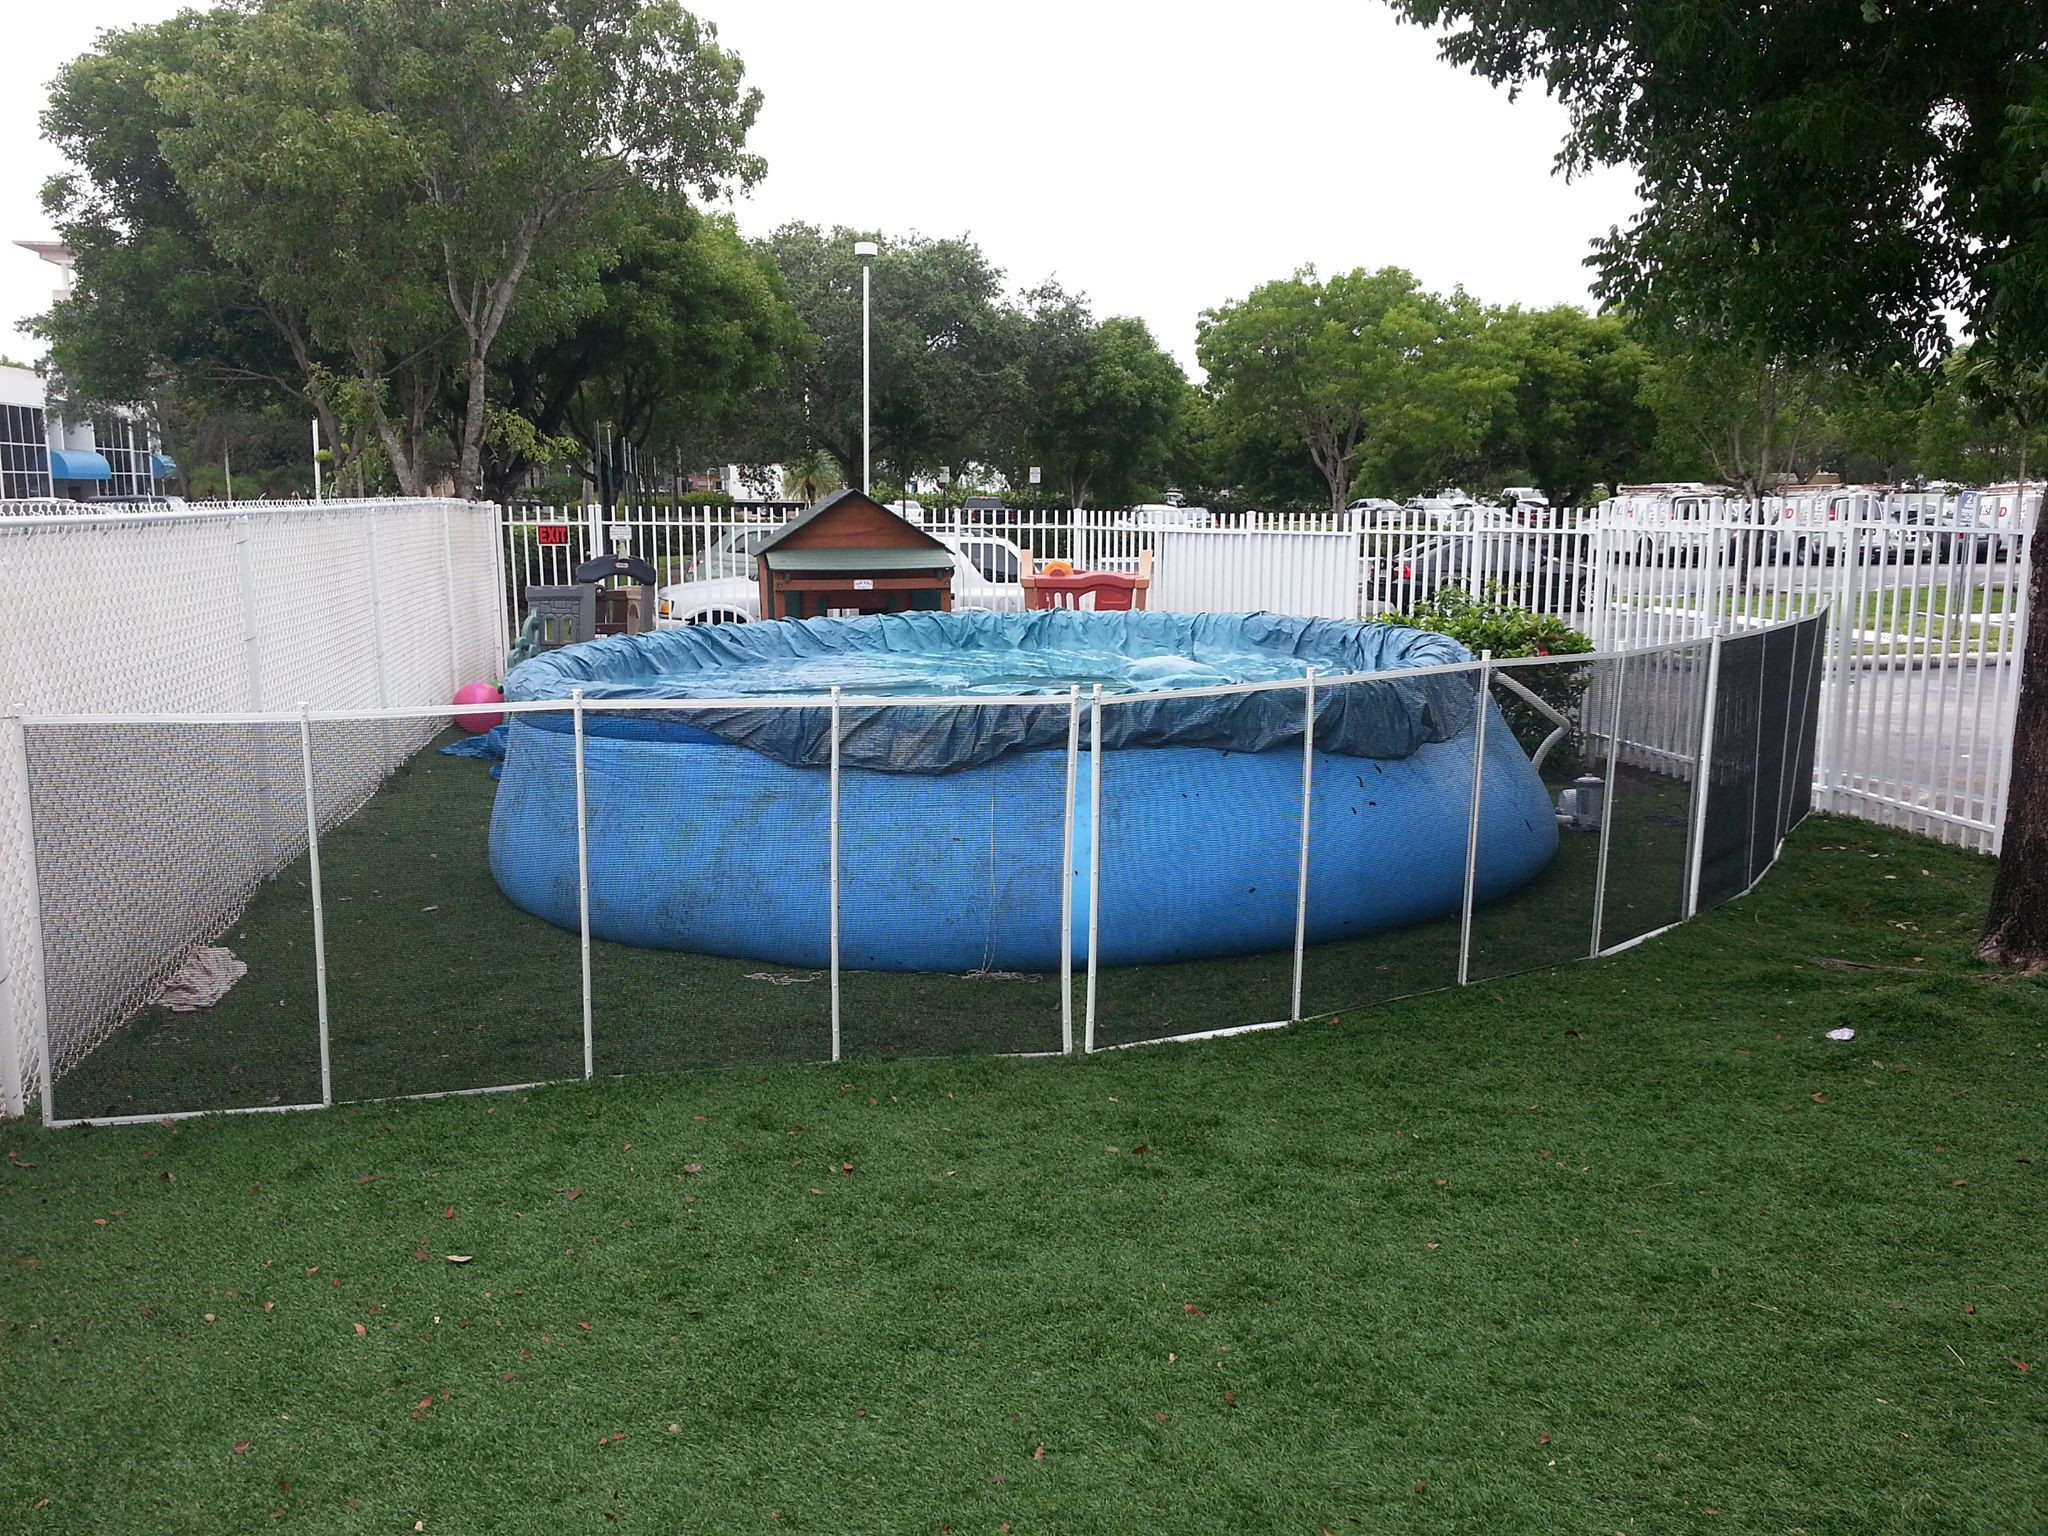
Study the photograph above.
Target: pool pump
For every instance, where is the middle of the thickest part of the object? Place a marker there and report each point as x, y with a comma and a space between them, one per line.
1580, 808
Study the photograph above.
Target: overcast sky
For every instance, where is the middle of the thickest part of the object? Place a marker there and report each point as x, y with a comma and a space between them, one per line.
1160, 158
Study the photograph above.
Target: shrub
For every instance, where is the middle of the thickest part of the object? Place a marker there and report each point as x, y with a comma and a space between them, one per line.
1492, 623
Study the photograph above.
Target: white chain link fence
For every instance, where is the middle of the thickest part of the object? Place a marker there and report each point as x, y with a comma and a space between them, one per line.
229, 610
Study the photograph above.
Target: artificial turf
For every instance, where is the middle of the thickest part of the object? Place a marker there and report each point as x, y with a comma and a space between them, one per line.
1625, 1246
436, 983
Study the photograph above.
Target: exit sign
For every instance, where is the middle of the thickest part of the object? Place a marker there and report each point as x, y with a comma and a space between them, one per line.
550, 533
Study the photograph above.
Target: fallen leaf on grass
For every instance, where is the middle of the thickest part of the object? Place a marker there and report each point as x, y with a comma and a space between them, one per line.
1422, 1486
1039, 1454
459, 1258
421, 1255
845, 1169
1193, 1311
693, 1167
1230, 1399
2019, 1364
449, 1214
573, 1194
1818, 1098
584, 1326
241, 1447
362, 1332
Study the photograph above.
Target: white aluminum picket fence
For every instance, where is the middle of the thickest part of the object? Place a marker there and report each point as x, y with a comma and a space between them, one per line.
1928, 591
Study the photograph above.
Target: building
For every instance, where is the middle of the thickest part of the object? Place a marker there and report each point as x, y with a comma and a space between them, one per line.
111, 456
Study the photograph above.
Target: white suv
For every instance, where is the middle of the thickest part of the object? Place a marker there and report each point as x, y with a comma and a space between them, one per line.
985, 576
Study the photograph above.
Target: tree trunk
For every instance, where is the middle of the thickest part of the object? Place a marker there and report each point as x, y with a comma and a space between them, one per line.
2016, 932
472, 423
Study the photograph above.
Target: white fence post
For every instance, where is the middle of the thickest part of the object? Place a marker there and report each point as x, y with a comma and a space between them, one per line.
13, 1014
1702, 779
1094, 861
1607, 804
506, 603
34, 998
583, 882
1067, 872
2012, 649
453, 607
1308, 780
319, 906
832, 877
1485, 704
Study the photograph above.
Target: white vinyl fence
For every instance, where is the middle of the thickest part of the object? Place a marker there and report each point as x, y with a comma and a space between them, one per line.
248, 611
1928, 593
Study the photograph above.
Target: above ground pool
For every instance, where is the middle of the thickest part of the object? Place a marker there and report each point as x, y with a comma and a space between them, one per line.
708, 824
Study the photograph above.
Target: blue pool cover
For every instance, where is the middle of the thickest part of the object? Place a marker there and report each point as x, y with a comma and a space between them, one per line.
708, 826
1014, 654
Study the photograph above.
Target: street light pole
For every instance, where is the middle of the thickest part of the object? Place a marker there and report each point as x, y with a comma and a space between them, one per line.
866, 250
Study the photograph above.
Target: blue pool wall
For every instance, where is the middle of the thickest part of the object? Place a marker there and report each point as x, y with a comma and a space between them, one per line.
702, 846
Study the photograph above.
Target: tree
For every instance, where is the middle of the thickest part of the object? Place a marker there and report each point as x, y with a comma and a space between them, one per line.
156, 305
1574, 417
688, 321
1821, 179
1740, 416
1102, 405
1365, 371
947, 352
406, 174
1963, 434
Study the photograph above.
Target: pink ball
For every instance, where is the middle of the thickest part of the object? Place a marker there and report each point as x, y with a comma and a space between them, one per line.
478, 693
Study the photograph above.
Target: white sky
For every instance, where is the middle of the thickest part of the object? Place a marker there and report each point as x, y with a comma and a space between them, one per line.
1162, 158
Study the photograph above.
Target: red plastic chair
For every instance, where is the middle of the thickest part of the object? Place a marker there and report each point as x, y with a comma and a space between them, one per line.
1110, 592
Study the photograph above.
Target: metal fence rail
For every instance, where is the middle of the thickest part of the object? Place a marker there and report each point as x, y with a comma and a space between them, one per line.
1696, 832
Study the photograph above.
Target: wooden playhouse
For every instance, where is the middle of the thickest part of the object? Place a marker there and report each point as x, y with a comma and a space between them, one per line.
851, 554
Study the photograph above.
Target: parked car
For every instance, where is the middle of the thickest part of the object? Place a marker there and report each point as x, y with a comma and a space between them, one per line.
1377, 511
1526, 568
731, 553
1445, 509
1158, 514
1983, 522
1527, 505
986, 569
986, 509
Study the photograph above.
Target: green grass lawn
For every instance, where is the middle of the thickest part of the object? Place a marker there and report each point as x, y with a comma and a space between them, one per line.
1625, 1246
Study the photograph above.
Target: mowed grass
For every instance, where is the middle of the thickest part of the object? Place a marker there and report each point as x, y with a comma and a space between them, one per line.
1624, 1246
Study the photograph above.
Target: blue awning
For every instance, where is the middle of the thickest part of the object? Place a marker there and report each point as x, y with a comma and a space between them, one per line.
79, 464
162, 466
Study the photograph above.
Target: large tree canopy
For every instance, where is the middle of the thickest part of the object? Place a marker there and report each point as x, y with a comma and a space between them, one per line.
395, 186
1368, 373
946, 352
1102, 403
689, 321
1822, 177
